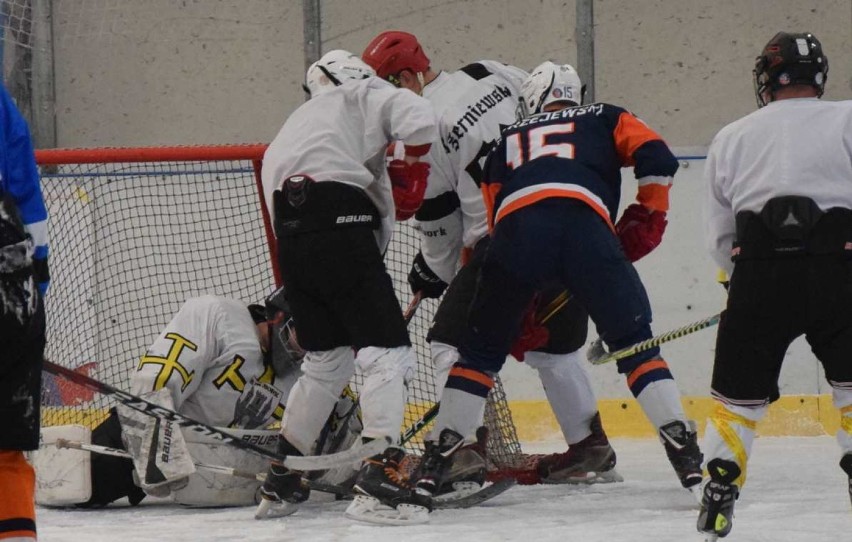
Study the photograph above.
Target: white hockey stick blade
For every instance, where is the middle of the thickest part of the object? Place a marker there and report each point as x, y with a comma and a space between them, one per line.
268, 509
325, 462
370, 510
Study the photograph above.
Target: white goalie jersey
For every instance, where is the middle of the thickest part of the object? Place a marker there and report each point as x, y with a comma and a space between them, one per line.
207, 357
474, 103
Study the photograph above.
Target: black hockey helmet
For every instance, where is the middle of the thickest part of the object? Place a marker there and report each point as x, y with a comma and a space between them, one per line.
789, 59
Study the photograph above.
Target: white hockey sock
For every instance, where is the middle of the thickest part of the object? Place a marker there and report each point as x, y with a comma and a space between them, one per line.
460, 411
444, 357
569, 391
660, 400
324, 375
730, 434
842, 399
386, 374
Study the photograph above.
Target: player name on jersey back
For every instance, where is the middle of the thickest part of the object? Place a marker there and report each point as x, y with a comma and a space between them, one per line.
571, 112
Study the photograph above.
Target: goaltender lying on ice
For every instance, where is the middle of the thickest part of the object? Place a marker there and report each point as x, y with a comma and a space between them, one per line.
219, 362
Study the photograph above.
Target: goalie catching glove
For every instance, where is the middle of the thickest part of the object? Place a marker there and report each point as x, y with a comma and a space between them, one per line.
422, 279
409, 186
640, 230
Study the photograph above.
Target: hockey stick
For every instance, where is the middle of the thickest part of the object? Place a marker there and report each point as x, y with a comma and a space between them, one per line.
545, 314
115, 452
303, 463
597, 355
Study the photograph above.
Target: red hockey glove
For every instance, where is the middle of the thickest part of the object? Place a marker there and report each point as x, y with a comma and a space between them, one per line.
640, 230
533, 334
409, 186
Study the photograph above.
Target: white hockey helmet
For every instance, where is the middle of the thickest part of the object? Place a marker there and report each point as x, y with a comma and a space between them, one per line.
333, 69
549, 83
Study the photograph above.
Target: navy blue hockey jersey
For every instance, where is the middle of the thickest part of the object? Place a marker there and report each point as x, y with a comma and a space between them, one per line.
577, 152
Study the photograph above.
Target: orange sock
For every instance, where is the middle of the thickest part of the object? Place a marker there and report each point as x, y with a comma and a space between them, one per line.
17, 505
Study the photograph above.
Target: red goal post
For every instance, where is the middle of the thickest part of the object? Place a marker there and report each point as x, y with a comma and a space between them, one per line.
134, 232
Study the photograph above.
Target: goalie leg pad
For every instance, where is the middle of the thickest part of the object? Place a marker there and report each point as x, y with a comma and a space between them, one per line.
387, 372
324, 375
63, 476
210, 488
160, 456
370, 510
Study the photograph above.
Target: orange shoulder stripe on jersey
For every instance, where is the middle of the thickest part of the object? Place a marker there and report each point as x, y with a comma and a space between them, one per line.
489, 196
545, 193
646, 368
654, 196
631, 133
475, 376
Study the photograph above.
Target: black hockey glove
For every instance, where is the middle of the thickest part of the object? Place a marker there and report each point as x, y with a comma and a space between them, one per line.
423, 279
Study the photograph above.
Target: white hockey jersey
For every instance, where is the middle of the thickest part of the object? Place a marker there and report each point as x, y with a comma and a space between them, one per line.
205, 356
792, 147
342, 135
474, 104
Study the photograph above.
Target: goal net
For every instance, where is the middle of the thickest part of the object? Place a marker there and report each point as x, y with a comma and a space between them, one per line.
136, 232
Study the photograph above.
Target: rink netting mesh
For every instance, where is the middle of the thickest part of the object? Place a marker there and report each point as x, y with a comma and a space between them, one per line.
131, 240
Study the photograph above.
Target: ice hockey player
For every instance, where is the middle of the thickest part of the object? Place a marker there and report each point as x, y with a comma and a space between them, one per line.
475, 103
333, 210
217, 361
23, 266
778, 213
552, 207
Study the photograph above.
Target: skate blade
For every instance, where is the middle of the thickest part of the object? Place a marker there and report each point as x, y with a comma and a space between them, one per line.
370, 510
268, 509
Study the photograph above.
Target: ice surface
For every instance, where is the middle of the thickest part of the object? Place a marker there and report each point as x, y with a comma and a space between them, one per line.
795, 493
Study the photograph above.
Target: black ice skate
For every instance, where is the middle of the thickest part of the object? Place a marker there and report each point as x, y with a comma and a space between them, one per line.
436, 466
467, 471
681, 443
846, 465
718, 498
592, 460
283, 489
383, 495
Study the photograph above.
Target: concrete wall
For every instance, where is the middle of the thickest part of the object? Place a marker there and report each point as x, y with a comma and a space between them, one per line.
204, 71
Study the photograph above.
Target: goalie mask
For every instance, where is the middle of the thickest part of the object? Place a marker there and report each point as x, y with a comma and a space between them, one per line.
285, 355
333, 69
550, 83
789, 59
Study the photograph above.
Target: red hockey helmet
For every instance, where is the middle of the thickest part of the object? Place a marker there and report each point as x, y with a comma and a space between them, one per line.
393, 51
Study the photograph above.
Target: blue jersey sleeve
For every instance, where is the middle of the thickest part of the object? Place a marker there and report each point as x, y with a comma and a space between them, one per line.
20, 179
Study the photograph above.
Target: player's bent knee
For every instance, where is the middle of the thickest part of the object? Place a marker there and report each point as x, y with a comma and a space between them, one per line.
444, 356
334, 365
387, 363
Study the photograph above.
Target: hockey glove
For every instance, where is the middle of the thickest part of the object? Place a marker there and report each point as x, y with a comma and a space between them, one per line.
409, 186
640, 230
422, 279
533, 334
